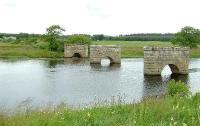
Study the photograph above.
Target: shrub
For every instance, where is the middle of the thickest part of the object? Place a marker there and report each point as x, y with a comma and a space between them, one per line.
41, 45
177, 88
78, 39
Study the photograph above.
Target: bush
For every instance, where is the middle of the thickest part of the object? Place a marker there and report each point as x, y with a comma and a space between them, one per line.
78, 39
41, 45
177, 88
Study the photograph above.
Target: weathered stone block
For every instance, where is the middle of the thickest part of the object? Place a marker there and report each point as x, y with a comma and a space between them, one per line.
71, 49
97, 52
156, 58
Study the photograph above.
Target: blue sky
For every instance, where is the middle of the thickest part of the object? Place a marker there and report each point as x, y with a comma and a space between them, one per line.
111, 17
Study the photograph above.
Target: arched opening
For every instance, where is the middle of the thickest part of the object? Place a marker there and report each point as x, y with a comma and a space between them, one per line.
168, 71
106, 61
174, 69
76, 55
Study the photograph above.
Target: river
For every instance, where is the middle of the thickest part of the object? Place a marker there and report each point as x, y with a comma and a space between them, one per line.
41, 82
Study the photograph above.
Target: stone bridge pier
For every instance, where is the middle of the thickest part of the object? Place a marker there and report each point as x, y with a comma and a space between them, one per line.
75, 50
156, 58
98, 52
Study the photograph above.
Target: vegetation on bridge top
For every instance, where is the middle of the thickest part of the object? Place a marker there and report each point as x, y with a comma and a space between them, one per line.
78, 39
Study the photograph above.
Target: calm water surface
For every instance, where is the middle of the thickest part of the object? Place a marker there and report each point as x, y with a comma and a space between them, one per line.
41, 82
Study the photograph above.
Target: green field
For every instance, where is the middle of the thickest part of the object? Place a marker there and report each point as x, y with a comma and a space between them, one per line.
134, 49
163, 111
8, 50
130, 49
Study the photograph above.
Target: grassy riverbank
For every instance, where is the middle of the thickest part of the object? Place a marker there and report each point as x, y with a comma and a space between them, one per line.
8, 50
130, 49
164, 111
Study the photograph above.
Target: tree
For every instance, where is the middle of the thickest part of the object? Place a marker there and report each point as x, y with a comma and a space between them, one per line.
52, 36
188, 36
99, 37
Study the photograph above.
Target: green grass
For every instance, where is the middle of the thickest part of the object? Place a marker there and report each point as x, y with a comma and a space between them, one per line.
134, 49
130, 49
163, 111
8, 50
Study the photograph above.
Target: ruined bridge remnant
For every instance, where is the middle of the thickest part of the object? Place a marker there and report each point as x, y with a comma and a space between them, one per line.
75, 50
156, 58
97, 52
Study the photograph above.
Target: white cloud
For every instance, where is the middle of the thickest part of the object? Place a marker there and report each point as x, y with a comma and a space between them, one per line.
99, 16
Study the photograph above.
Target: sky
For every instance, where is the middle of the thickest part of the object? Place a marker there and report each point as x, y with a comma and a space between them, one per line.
110, 17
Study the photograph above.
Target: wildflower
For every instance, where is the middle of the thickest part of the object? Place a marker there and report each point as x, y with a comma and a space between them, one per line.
177, 106
113, 112
88, 114
193, 118
184, 124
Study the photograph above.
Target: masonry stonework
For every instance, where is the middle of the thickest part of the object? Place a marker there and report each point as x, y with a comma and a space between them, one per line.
156, 58
97, 52
71, 50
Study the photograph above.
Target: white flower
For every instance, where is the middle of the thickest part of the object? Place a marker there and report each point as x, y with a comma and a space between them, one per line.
184, 124
88, 114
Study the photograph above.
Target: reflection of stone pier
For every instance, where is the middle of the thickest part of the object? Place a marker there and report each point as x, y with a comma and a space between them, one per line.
98, 52
98, 67
76, 61
156, 85
156, 58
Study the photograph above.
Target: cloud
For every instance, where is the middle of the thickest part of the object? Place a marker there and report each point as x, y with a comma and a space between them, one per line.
98, 16
8, 3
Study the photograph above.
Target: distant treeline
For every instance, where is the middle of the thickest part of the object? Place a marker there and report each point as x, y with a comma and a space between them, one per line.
136, 37
20, 35
98, 37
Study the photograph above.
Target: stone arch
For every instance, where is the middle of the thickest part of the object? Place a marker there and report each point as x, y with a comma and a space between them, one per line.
109, 58
156, 58
77, 55
174, 68
71, 49
97, 52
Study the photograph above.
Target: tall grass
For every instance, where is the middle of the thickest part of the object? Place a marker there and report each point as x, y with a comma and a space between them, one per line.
164, 111
20, 50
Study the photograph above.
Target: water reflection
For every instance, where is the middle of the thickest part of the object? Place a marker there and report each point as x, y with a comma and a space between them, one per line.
193, 70
156, 85
52, 63
99, 67
74, 61
79, 83
183, 78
